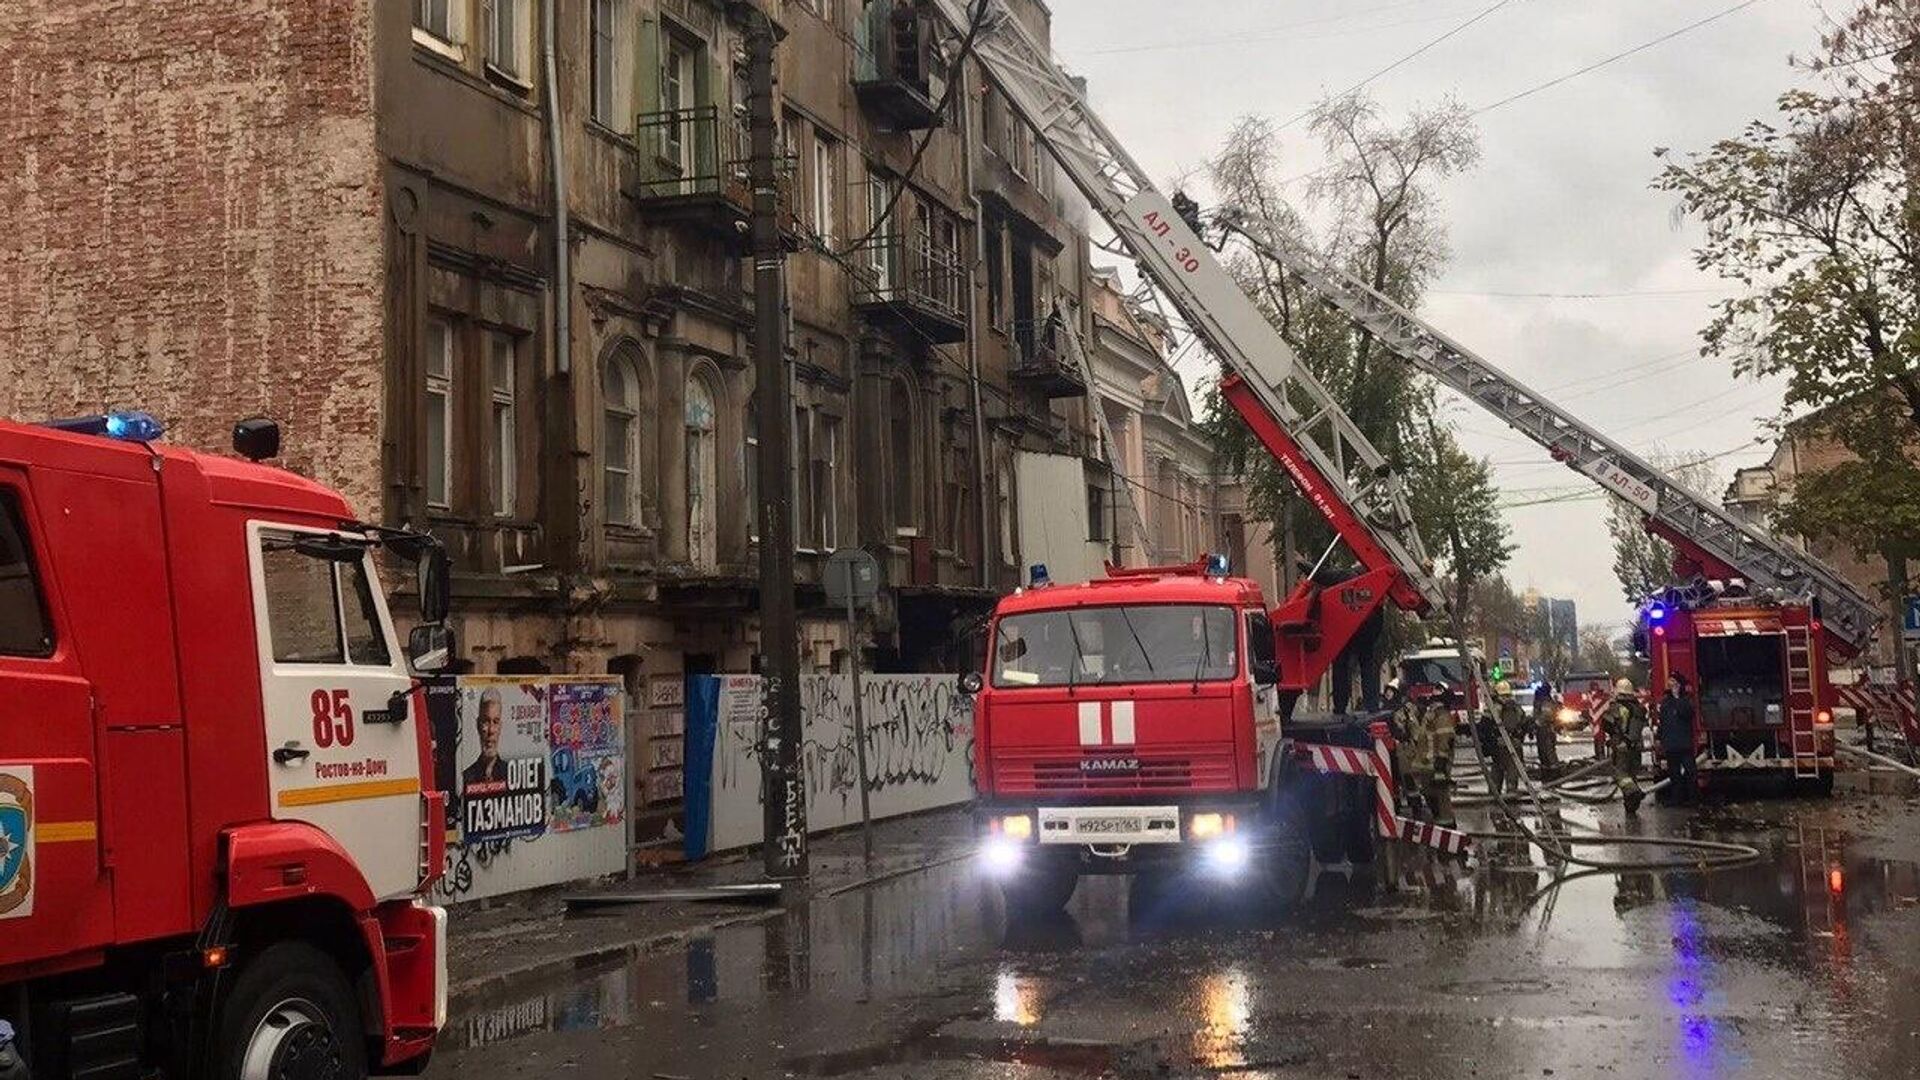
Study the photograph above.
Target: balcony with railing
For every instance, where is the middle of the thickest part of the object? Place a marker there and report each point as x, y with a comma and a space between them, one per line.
911, 284
893, 67
1041, 362
693, 169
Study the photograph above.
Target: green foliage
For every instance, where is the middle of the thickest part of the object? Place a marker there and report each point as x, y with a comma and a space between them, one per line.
1382, 224
1643, 562
1816, 216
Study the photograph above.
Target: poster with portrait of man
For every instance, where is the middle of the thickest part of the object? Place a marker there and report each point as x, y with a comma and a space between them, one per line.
502, 757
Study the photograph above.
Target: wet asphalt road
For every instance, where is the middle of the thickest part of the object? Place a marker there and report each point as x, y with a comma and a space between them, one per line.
1799, 965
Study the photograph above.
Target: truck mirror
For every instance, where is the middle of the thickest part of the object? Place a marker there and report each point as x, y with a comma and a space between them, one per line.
436, 573
971, 682
430, 648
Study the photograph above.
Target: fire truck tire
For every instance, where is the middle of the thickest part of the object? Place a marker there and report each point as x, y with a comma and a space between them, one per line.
291, 1015
1820, 786
1287, 870
1039, 891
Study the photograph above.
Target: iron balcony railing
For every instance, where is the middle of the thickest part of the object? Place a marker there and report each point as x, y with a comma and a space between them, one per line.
914, 272
696, 151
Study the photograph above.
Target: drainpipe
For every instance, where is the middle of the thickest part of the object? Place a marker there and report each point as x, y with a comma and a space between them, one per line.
988, 557
557, 164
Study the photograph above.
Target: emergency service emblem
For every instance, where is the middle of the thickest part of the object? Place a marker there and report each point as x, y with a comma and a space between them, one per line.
16, 843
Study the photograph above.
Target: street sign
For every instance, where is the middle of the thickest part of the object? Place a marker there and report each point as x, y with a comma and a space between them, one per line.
852, 578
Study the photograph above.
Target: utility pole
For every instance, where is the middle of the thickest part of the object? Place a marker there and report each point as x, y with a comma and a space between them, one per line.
782, 787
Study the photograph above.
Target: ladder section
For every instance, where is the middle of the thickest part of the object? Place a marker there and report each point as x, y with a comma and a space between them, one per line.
1108, 447
1804, 744
1351, 472
1764, 561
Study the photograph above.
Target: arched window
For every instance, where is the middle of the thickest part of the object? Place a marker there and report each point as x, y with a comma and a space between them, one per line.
906, 516
620, 439
701, 487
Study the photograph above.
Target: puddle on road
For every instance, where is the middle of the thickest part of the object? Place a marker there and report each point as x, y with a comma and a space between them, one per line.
934, 952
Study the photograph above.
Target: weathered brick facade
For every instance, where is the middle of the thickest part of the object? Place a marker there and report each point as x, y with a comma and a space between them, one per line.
192, 221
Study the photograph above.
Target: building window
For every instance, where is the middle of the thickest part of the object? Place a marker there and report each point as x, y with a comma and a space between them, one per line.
509, 38
826, 185
996, 259
993, 121
884, 255
439, 20
701, 494
803, 478
826, 486
900, 455
1096, 512
607, 65
677, 93
959, 493
502, 382
439, 413
620, 440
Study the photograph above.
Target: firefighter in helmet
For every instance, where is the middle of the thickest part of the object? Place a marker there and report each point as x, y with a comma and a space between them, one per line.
1409, 752
1624, 719
1437, 734
1499, 730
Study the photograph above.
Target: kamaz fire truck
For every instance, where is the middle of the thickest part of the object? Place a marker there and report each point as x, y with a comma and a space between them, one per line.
1335, 468
216, 827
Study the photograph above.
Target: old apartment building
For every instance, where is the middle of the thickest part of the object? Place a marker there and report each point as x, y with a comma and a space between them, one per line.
507, 297
347, 215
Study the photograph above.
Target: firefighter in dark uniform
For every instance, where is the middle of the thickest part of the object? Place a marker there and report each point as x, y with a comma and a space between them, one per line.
1545, 735
1437, 781
1624, 718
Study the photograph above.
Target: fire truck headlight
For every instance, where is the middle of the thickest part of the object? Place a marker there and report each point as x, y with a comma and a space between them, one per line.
1016, 827
1210, 825
1001, 855
1228, 855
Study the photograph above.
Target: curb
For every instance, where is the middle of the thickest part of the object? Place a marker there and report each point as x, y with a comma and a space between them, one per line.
464, 992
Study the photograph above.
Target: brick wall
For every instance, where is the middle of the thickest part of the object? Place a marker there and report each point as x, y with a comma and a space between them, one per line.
193, 219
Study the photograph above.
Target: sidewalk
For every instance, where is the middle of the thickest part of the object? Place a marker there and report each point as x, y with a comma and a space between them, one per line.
492, 944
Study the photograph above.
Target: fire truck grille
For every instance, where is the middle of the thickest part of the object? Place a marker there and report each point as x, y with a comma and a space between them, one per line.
1073, 776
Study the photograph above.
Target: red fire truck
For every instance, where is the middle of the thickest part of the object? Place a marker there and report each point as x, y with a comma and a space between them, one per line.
1757, 670
215, 834
1132, 724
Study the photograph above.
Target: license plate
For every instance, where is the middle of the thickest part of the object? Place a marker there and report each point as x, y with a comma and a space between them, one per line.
1110, 825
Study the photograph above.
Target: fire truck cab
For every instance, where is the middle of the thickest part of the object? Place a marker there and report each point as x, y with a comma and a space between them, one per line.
216, 827
1757, 674
1132, 725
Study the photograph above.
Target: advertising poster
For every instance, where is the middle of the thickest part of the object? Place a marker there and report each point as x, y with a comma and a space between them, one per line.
588, 755
502, 727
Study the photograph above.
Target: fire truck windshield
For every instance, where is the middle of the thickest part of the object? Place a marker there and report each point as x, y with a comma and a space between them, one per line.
1431, 671
1143, 643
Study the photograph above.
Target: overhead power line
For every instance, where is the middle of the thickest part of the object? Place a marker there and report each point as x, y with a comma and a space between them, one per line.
1598, 64
1408, 58
1264, 33
1623, 294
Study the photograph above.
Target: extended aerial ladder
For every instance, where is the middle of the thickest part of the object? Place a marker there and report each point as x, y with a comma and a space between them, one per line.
1335, 466
1333, 463
1716, 543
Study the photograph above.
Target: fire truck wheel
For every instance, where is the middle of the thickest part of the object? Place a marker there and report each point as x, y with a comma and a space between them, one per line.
1039, 891
290, 1016
1286, 870
1821, 786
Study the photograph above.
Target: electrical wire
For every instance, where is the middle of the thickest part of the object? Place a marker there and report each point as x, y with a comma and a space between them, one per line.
957, 77
1408, 58
1598, 64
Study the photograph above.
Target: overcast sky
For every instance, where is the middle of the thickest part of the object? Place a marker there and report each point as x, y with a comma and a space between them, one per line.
1558, 204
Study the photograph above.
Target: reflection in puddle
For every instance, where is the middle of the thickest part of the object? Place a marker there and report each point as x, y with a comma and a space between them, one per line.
1226, 1009
1016, 1000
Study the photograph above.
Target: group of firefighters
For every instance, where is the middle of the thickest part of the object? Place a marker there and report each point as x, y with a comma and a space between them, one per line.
1424, 732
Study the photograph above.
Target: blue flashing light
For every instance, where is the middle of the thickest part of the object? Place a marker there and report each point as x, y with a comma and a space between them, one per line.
1657, 613
132, 425
1216, 565
1037, 576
